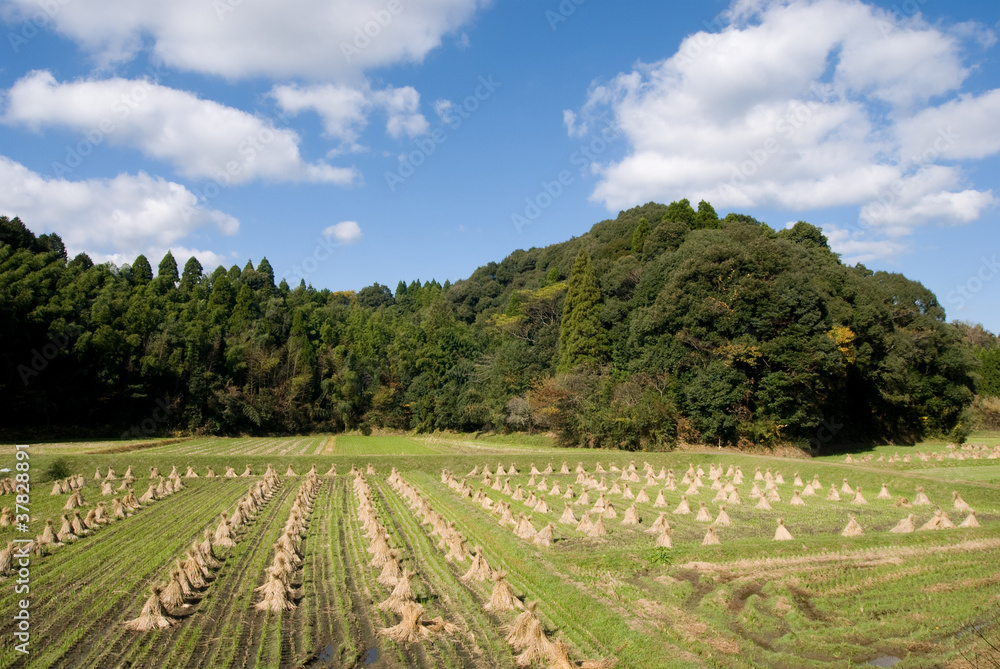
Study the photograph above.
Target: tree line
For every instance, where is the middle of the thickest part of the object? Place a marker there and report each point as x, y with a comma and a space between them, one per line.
666, 323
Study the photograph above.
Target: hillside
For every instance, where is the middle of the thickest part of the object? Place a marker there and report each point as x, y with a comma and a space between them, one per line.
665, 323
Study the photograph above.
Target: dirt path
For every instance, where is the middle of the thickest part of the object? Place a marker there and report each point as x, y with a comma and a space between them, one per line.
331, 446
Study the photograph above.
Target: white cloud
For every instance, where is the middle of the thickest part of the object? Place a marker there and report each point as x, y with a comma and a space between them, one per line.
401, 105
443, 109
342, 108
200, 138
573, 129
345, 109
345, 232
906, 66
209, 259
855, 247
333, 40
803, 105
958, 129
110, 219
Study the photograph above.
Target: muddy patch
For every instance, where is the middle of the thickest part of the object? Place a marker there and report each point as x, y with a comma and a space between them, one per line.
743, 593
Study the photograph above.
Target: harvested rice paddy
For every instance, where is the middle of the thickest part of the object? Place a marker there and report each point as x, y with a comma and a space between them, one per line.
449, 509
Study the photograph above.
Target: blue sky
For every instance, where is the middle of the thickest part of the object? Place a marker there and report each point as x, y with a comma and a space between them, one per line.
456, 131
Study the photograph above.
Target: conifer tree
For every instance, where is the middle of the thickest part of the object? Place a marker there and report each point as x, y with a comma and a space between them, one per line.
192, 274
245, 310
167, 270
142, 272
582, 338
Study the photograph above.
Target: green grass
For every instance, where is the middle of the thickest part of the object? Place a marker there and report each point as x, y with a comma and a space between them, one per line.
107, 572
985, 473
821, 600
379, 446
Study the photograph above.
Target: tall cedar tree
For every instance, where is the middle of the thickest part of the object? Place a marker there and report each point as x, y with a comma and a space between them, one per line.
582, 338
167, 270
142, 272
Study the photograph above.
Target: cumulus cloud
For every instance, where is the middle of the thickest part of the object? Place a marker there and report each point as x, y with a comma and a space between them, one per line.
345, 109
856, 246
959, 129
804, 105
573, 128
333, 40
209, 259
345, 232
199, 138
111, 219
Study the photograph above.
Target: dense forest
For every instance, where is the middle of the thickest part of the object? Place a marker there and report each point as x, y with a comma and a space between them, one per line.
664, 324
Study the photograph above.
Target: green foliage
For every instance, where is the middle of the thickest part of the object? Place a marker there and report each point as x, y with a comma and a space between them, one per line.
57, 470
245, 310
375, 296
142, 272
989, 371
192, 275
808, 235
661, 556
706, 218
667, 236
582, 338
639, 236
15, 234
683, 212
167, 270
684, 328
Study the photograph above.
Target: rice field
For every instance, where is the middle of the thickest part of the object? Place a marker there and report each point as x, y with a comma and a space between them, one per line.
614, 596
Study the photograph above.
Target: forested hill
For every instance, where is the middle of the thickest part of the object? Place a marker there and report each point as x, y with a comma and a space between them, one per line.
663, 324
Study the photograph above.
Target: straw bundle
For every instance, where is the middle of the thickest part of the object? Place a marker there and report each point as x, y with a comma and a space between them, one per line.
503, 597
152, 615
853, 529
905, 526
401, 595
723, 520
970, 520
782, 533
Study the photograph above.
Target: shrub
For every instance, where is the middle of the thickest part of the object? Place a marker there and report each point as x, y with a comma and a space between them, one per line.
57, 469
